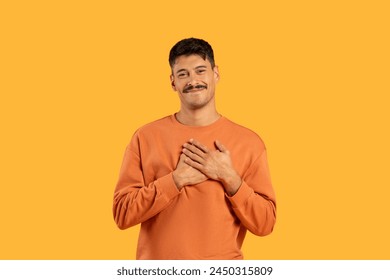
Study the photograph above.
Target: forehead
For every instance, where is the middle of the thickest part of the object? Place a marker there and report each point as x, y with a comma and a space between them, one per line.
190, 62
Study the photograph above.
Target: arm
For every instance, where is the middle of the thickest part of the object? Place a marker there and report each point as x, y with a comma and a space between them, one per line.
134, 202
254, 202
252, 197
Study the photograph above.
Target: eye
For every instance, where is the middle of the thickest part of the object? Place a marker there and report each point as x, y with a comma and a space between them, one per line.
182, 75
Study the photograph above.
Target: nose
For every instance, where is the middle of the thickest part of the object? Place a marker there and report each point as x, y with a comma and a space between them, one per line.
192, 80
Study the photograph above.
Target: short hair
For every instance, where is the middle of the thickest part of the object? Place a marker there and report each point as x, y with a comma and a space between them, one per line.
191, 46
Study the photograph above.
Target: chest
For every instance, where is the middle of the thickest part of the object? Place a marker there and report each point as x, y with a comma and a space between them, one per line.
160, 155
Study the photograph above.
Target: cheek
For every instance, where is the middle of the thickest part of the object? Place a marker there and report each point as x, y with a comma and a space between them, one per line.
179, 85
211, 80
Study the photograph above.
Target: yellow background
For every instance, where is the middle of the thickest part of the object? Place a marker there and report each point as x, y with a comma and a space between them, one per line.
310, 77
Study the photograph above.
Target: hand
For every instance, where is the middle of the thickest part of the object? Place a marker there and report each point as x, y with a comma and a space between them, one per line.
216, 165
185, 175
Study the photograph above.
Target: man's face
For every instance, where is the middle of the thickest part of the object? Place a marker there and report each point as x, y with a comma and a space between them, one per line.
194, 80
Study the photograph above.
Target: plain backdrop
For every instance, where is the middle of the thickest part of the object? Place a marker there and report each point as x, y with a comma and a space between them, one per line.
79, 77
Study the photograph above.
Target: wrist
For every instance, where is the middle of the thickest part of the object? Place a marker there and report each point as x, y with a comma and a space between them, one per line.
232, 183
178, 180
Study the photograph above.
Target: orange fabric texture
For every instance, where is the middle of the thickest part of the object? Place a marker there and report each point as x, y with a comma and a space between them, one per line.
199, 221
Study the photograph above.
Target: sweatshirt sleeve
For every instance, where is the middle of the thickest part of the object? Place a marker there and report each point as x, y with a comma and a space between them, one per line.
254, 203
134, 202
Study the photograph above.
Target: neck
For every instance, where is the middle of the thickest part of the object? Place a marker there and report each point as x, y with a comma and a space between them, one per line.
197, 117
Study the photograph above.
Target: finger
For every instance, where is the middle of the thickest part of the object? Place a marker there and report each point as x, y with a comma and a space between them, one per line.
221, 147
193, 156
199, 145
194, 149
193, 164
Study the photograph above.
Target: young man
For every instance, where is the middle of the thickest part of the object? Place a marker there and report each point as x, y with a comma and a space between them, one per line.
194, 180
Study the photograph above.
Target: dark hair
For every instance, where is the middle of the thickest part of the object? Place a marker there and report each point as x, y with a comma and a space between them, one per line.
192, 46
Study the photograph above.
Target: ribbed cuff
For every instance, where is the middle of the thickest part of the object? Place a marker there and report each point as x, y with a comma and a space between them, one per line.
241, 196
167, 186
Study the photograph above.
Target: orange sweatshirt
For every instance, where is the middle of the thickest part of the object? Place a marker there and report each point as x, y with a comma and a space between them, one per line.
200, 221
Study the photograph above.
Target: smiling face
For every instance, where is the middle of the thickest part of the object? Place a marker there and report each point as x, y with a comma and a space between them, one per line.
194, 79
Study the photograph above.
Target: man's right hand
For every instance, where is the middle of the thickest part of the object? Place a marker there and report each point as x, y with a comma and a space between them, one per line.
185, 175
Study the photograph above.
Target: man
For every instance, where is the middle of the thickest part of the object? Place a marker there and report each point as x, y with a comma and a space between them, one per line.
194, 180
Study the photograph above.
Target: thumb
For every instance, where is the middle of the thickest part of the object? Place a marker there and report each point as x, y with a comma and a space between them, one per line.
221, 147
182, 157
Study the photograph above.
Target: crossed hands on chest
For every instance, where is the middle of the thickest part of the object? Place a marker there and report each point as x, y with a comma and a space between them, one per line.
198, 163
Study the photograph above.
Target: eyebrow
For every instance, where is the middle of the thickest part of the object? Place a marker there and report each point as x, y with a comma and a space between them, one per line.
196, 68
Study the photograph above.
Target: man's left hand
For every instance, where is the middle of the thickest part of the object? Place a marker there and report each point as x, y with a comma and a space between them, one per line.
215, 164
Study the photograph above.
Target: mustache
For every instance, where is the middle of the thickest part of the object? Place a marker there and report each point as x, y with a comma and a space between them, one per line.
191, 87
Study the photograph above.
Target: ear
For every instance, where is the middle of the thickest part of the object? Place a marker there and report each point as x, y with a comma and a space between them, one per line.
216, 73
172, 82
